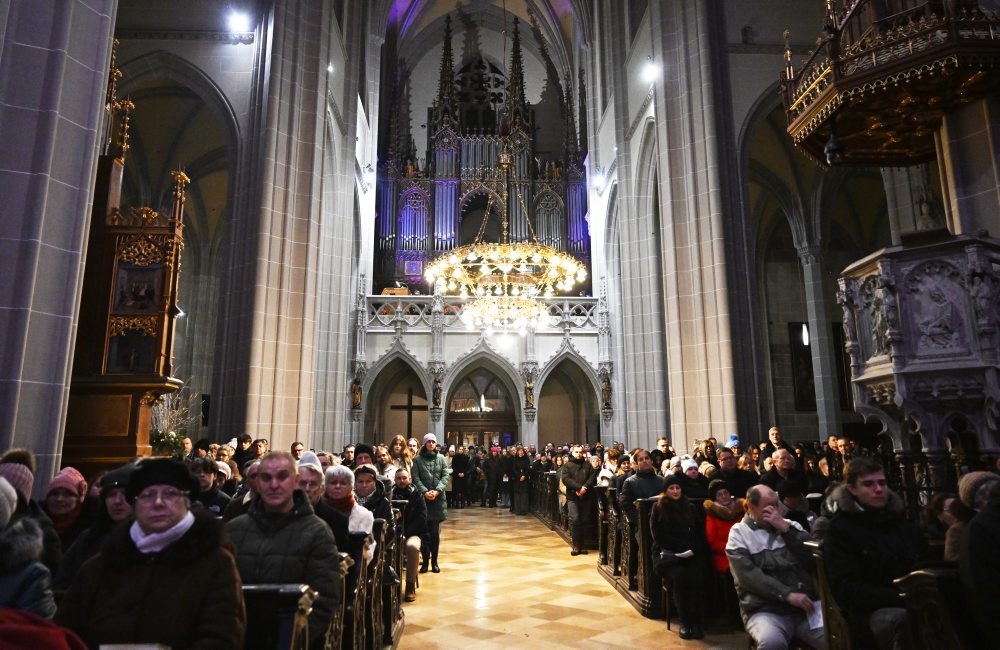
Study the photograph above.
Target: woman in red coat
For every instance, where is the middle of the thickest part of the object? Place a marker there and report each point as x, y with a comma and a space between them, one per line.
722, 512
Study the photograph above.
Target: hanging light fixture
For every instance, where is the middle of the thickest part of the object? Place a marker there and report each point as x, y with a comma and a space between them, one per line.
505, 278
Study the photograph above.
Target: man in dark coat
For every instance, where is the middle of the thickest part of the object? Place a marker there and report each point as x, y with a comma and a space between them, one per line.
461, 465
580, 480
867, 545
280, 540
782, 470
738, 480
775, 441
980, 567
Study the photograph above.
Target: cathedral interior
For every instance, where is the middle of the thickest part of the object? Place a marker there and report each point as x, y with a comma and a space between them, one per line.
778, 217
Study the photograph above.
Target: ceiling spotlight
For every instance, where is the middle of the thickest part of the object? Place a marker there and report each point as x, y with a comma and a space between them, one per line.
239, 22
597, 181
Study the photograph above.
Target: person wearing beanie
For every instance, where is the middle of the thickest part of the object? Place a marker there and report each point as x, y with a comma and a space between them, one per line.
208, 495
114, 508
168, 577
414, 527
312, 482
694, 483
974, 488
17, 466
63, 503
680, 553
25, 583
430, 478
364, 454
643, 484
869, 543
722, 512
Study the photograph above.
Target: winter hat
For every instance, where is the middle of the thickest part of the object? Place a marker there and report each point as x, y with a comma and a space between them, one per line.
970, 484
366, 469
224, 469
362, 448
204, 444
161, 471
117, 478
8, 502
715, 486
19, 476
430, 437
70, 479
690, 463
451, 448
734, 441
311, 460
675, 462
673, 479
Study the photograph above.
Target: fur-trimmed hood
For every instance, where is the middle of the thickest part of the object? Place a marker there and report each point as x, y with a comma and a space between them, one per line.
21, 543
842, 502
712, 509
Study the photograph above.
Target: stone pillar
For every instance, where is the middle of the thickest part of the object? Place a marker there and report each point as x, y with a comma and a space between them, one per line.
687, 98
910, 202
968, 152
821, 344
269, 336
54, 57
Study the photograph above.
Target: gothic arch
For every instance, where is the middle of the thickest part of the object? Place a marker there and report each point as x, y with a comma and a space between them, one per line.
484, 355
397, 352
475, 190
568, 352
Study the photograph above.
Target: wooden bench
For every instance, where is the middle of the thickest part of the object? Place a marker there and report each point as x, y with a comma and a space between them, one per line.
277, 616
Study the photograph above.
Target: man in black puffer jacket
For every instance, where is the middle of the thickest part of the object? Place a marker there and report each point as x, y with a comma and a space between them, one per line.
414, 527
867, 545
580, 479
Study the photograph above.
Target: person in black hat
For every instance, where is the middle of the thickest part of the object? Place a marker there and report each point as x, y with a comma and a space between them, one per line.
115, 508
167, 578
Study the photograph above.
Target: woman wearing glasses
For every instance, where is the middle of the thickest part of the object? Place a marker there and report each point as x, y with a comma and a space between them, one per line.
166, 577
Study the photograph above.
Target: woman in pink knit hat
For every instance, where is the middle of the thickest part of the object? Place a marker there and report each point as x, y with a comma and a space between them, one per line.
63, 504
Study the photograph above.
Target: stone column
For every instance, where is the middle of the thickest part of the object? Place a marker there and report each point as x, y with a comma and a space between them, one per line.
909, 200
821, 343
54, 57
687, 99
968, 152
269, 336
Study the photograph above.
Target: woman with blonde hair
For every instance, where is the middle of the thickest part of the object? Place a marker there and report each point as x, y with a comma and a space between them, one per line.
400, 453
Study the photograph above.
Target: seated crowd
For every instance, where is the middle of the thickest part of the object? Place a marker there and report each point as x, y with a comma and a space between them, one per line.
181, 539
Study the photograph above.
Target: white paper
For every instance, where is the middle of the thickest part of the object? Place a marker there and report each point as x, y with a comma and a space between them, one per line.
816, 618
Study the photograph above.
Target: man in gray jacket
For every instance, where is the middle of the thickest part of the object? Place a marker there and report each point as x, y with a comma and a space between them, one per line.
773, 571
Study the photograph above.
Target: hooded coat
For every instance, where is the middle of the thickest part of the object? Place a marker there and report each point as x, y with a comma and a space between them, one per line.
431, 473
25, 583
188, 595
718, 522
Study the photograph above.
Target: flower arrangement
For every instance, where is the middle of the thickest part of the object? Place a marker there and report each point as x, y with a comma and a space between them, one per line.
166, 443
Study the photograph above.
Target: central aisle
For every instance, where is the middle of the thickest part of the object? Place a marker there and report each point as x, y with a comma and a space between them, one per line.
509, 581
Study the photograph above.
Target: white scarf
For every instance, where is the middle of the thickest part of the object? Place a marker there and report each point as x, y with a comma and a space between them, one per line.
156, 542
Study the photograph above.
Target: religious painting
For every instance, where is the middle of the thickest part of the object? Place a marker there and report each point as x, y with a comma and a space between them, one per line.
138, 289
133, 351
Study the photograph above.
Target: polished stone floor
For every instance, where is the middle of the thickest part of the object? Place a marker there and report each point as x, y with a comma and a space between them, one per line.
509, 581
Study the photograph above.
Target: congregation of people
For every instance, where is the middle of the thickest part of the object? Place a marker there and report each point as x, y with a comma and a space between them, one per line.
158, 550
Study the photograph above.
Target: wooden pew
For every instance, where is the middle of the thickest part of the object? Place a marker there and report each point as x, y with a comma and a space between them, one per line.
938, 614
277, 616
838, 634
355, 593
335, 634
603, 521
392, 594
373, 598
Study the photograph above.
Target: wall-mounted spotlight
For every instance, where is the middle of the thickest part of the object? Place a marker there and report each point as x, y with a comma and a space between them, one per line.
369, 175
329, 68
598, 181
238, 22
650, 71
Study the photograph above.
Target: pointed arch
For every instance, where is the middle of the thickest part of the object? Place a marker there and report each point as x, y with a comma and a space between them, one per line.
568, 352
483, 355
396, 352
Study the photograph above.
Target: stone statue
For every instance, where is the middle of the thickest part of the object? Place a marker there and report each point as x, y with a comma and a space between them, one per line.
529, 394
606, 392
937, 328
436, 397
356, 394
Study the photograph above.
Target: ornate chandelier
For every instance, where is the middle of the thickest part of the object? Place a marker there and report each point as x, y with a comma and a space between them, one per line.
506, 278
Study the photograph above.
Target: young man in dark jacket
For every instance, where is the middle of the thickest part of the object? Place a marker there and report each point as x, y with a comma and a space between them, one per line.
414, 527
868, 544
580, 479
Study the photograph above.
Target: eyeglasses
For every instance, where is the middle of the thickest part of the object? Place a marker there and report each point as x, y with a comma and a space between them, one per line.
167, 496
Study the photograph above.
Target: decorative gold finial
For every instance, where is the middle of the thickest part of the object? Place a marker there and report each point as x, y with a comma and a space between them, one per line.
181, 180
114, 76
789, 72
126, 107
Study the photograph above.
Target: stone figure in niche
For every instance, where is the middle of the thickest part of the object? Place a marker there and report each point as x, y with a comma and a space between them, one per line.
356, 394
937, 327
606, 392
529, 394
436, 396
980, 289
880, 329
849, 328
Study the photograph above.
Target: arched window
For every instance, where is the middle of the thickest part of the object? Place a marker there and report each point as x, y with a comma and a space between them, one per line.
480, 392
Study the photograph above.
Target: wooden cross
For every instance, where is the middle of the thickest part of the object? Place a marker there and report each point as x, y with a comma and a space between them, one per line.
409, 407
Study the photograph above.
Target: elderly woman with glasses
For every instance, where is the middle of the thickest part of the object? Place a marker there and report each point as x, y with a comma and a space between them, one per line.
167, 577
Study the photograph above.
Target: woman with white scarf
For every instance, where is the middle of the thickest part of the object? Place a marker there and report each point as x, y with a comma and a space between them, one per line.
167, 577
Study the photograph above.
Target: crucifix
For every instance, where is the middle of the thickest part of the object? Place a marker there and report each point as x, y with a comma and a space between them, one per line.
409, 407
